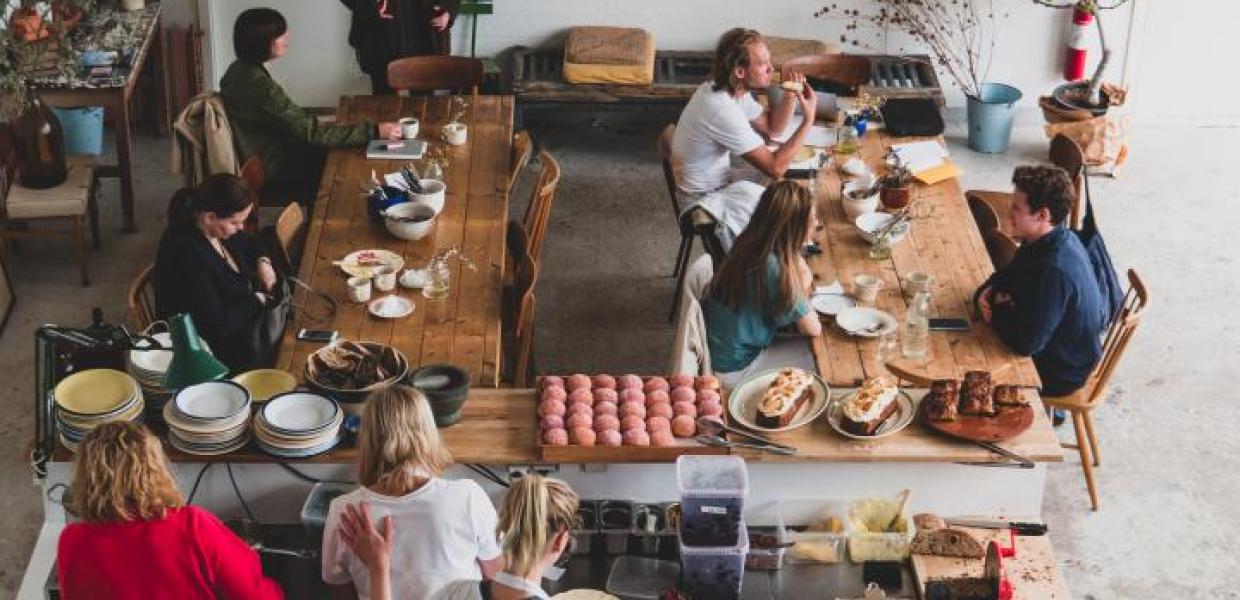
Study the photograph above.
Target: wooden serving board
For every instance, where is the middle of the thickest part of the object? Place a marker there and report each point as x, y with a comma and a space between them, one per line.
1033, 572
1010, 422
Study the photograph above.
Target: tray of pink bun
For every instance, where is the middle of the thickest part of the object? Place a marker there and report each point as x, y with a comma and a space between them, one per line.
625, 418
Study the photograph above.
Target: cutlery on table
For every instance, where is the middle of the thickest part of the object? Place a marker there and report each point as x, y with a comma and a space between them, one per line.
718, 442
715, 428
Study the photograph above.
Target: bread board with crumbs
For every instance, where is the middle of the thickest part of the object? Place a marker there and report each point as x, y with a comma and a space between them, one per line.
1033, 571
631, 448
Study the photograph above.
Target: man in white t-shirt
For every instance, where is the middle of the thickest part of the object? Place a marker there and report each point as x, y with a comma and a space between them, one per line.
722, 120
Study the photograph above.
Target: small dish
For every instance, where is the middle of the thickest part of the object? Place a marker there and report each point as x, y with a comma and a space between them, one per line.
744, 399
211, 401
869, 224
415, 278
905, 412
855, 167
299, 412
362, 262
831, 304
391, 307
865, 322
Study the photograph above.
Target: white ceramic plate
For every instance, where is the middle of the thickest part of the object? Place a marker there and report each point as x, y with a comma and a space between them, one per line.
155, 362
188, 448
178, 422
865, 322
743, 402
390, 307
212, 400
831, 304
350, 264
299, 411
905, 411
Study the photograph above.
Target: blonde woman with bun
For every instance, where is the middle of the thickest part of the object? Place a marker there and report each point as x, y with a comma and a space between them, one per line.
137, 538
447, 526
535, 526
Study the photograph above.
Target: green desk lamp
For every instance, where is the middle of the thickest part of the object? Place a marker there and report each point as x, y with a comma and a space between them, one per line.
191, 363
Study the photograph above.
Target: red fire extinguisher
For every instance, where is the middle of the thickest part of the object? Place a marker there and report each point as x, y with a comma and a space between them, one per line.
1074, 64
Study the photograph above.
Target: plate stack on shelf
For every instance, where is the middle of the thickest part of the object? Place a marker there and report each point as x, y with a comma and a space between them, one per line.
209, 418
149, 366
298, 425
87, 399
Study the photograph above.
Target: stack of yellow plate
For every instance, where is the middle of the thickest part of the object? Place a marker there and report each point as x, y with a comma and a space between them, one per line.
87, 399
265, 383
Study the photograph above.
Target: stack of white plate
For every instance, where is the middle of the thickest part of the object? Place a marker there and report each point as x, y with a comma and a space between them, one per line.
87, 399
209, 418
148, 368
298, 424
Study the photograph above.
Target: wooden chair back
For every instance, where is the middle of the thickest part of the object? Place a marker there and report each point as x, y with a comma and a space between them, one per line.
525, 278
253, 175
141, 298
431, 73
845, 69
291, 234
1001, 247
1066, 154
8, 159
522, 147
665, 154
1123, 326
984, 214
538, 213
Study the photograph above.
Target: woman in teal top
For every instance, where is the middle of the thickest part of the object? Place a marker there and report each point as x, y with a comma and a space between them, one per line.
763, 285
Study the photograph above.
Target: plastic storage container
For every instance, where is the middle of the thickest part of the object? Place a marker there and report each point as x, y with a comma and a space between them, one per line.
816, 528
314, 509
764, 555
868, 535
712, 498
615, 521
714, 572
587, 518
651, 527
638, 578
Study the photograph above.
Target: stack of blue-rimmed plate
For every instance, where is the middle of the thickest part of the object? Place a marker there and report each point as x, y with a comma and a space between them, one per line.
298, 424
87, 399
148, 368
209, 418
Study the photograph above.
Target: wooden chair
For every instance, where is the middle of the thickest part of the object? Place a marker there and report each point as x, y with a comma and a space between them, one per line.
538, 212
845, 69
431, 73
1066, 154
984, 214
1082, 402
73, 202
1001, 247
669, 178
522, 148
999, 203
141, 298
518, 309
290, 233
253, 175
695, 223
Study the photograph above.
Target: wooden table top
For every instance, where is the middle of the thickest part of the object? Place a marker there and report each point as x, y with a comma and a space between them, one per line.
944, 242
462, 329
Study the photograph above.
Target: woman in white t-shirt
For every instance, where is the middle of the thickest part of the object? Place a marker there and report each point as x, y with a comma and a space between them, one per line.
448, 525
535, 523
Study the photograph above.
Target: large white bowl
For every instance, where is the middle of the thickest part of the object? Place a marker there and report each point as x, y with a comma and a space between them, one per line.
855, 207
432, 194
393, 218
868, 225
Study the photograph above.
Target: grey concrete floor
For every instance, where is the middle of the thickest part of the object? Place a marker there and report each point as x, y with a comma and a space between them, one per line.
1168, 489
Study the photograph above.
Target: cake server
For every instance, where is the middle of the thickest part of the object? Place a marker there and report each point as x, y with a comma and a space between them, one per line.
714, 440
714, 428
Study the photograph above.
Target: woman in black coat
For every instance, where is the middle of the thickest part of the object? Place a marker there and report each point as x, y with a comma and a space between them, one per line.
384, 30
209, 267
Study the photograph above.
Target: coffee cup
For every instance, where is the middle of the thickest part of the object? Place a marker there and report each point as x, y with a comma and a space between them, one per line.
359, 289
408, 128
455, 133
918, 281
384, 278
865, 289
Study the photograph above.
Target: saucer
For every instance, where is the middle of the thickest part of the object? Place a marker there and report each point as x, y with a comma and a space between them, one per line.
391, 307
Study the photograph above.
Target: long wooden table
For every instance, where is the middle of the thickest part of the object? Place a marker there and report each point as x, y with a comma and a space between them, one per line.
462, 329
944, 242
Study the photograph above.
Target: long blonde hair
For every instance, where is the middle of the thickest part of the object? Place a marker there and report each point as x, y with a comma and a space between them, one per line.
779, 226
731, 52
122, 474
535, 509
398, 439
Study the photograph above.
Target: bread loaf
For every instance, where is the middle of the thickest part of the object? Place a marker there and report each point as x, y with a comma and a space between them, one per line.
946, 541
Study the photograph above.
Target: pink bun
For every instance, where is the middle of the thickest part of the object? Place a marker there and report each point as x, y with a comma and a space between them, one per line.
577, 421
710, 409
655, 383
605, 422
581, 395
551, 381
684, 408
683, 394
609, 437
606, 395
551, 407
681, 379
657, 397
706, 382
632, 395
636, 437
582, 436
633, 409
662, 439
660, 410
632, 422
578, 408
577, 382
683, 426
629, 382
555, 437
551, 422
603, 381
604, 408
554, 393
658, 424
708, 396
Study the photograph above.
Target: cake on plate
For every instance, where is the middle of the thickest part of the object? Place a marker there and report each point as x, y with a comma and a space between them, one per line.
865, 411
789, 391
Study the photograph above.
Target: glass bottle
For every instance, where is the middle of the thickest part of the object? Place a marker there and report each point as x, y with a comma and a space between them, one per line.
917, 327
881, 248
440, 278
40, 147
846, 139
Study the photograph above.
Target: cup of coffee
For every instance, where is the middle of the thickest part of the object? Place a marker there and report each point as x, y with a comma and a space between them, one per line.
865, 289
408, 128
384, 278
916, 282
455, 133
359, 289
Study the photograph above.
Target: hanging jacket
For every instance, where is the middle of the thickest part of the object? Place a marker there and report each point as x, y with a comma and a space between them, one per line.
202, 140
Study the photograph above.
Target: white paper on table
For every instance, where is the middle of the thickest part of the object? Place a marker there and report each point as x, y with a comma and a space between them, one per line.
396, 180
832, 288
817, 135
921, 156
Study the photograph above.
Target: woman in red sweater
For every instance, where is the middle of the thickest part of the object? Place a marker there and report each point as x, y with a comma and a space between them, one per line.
138, 539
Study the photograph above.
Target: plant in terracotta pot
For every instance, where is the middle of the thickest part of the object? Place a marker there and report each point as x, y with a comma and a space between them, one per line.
895, 184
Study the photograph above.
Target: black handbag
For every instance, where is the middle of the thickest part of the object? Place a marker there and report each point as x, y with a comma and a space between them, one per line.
264, 340
1100, 258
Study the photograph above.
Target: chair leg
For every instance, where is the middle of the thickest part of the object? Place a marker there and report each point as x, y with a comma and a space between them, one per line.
79, 238
1078, 422
92, 207
1093, 439
682, 265
675, 206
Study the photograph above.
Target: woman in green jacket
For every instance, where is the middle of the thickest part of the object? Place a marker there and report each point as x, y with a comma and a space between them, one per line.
291, 142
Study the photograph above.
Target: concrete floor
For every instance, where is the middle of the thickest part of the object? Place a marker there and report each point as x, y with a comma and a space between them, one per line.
1167, 514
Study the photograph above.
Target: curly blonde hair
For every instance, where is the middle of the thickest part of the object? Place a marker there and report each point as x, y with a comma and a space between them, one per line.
534, 511
398, 440
122, 474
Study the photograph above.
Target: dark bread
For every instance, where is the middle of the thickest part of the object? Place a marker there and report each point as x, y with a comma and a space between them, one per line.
1009, 395
975, 394
943, 400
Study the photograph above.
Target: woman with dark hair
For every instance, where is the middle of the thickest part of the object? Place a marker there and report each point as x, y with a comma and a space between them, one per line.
764, 285
209, 267
291, 142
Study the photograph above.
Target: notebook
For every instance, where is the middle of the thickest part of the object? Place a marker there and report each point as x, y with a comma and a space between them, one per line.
395, 149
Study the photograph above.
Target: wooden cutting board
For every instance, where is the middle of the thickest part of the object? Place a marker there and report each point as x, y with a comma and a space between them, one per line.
1033, 571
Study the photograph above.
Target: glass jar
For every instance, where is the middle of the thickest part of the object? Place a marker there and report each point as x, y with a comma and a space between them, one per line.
881, 248
439, 278
846, 140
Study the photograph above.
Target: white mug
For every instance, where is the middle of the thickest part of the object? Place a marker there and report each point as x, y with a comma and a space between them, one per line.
455, 133
359, 289
385, 278
865, 289
408, 128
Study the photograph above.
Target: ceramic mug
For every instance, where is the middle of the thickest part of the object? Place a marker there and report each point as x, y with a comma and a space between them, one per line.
359, 289
455, 133
865, 289
385, 278
408, 128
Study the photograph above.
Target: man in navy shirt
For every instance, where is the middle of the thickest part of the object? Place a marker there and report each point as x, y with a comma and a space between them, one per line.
1046, 303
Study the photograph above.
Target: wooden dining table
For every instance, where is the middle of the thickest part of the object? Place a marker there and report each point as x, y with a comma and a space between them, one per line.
943, 242
463, 329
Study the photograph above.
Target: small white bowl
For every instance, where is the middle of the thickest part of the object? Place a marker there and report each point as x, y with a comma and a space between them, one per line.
432, 194
868, 224
855, 207
396, 217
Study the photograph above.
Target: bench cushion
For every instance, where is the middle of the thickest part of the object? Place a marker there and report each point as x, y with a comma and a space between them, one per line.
609, 55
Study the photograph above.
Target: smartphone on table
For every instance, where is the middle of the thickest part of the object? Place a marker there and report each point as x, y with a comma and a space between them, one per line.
318, 335
948, 324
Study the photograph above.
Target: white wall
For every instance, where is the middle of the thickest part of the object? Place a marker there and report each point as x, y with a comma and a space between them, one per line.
320, 65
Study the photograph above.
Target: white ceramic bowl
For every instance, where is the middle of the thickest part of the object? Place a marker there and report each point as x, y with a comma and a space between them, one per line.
394, 217
855, 207
868, 224
212, 400
432, 194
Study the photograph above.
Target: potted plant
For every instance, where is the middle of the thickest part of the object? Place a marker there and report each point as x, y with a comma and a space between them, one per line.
960, 36
1086, 94
894, 184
